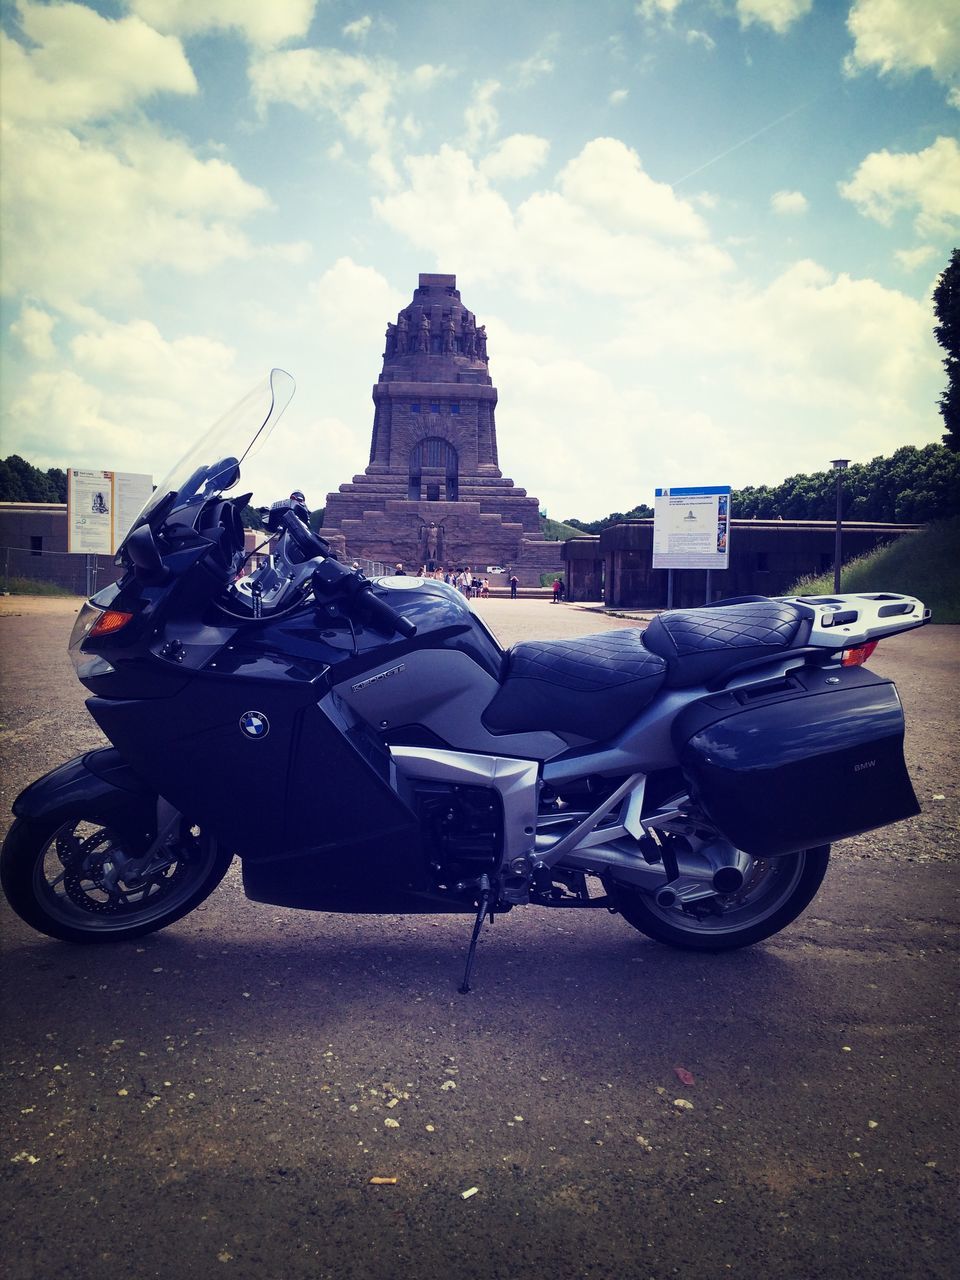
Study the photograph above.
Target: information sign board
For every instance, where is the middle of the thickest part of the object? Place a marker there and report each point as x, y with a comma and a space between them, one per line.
691, 528
101, 507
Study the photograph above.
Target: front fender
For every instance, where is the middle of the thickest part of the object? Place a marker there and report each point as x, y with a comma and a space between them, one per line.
100, 786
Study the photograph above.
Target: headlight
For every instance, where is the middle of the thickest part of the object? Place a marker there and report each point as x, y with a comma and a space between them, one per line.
87, 665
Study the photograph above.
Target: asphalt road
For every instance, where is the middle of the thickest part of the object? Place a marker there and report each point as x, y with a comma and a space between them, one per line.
216, 1098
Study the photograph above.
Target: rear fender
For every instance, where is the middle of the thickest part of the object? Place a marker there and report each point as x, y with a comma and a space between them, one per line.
98, 786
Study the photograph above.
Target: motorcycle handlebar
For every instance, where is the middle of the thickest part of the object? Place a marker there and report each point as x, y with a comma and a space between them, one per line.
378, 611
308, 543
332, 579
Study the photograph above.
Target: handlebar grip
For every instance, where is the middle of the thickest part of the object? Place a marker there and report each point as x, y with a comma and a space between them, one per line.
382, 614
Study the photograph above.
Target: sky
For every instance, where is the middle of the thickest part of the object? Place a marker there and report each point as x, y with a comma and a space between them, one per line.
702, 234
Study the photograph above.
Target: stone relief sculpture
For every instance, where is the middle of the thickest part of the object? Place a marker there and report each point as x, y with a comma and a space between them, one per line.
431, 544
449, 343
469, 337
421, 337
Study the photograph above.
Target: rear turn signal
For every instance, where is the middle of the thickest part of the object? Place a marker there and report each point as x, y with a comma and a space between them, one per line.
112, 620
857, 657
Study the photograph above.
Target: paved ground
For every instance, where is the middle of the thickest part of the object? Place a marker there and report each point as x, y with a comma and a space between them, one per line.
215, 1099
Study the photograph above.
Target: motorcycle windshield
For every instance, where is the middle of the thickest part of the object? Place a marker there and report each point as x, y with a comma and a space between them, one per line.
213, 465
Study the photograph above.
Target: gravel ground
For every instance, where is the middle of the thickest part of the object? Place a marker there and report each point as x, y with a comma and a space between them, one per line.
216, 1098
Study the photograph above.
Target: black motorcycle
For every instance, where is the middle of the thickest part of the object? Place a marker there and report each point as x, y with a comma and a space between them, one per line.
368, 745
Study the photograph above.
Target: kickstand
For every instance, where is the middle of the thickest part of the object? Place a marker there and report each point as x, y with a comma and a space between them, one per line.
486, 893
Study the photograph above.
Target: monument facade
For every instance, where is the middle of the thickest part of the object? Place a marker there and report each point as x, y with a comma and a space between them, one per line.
433, 495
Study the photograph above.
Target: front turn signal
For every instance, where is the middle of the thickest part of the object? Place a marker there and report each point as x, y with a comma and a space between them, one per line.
110, 622
857, 657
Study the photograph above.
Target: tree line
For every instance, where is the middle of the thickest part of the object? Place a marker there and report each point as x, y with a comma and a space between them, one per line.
22, 482
913, 486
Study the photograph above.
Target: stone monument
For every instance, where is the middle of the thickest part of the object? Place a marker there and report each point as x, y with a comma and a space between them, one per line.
433, 494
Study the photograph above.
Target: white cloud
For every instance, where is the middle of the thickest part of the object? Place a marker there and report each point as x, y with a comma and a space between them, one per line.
904, 36
607, 228
851, 338
359, 29
262, 24
692, 36
65, 417
532, 68
953, 98
481, 116
354, 301
617, 96
789, 203
928, 181
650, 9
608, 179
780, 15
476, 218
134, 400
426, 75
80, 66
157, 204
357, 91
518, 156
361, 94
34, 332
910, 259
787, 370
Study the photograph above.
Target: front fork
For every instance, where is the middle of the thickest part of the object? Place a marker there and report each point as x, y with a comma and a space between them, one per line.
164, 849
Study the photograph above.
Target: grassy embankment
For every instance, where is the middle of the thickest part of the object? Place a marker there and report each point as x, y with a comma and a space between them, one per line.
925, 564
557, 531
15, 586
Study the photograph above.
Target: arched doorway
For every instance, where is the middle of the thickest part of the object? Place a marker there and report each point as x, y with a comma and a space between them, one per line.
433, 471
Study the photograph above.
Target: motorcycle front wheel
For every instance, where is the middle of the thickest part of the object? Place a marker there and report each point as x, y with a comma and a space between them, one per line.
73, 878
775, 893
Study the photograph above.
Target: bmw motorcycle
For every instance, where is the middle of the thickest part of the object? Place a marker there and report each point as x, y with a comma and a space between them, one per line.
368, 745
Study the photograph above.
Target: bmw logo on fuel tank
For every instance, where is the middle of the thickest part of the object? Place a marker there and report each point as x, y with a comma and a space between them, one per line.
254, 724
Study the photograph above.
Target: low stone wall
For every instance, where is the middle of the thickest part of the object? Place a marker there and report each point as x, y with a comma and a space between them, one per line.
766, 558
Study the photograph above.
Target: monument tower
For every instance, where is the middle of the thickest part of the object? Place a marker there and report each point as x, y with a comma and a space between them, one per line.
433, 494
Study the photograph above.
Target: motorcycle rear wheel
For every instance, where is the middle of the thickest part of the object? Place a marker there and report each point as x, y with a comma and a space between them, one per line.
65, 877
776, 892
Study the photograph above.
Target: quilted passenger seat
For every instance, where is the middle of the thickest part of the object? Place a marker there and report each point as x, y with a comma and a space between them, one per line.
700, 644
591, 686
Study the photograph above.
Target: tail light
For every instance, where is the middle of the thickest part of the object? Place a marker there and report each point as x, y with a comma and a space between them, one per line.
109, 623
858, 656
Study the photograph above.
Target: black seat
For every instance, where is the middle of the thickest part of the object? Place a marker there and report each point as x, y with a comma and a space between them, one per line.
591, 686
700, 644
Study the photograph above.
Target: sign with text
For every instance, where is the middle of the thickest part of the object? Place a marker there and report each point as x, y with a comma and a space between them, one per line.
101, 507
691, 528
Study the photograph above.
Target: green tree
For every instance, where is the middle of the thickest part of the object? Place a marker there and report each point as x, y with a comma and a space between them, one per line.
946, 306
20, 481
58, 479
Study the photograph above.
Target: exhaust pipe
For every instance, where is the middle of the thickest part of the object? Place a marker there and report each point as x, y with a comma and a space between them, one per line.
731, 866
727, 871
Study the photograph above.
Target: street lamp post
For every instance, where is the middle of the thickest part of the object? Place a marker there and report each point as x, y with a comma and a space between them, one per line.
839, 465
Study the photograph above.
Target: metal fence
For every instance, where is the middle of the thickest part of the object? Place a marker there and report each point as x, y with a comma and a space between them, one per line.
82, 574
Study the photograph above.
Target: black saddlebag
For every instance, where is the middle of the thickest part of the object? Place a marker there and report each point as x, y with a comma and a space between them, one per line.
798, 762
